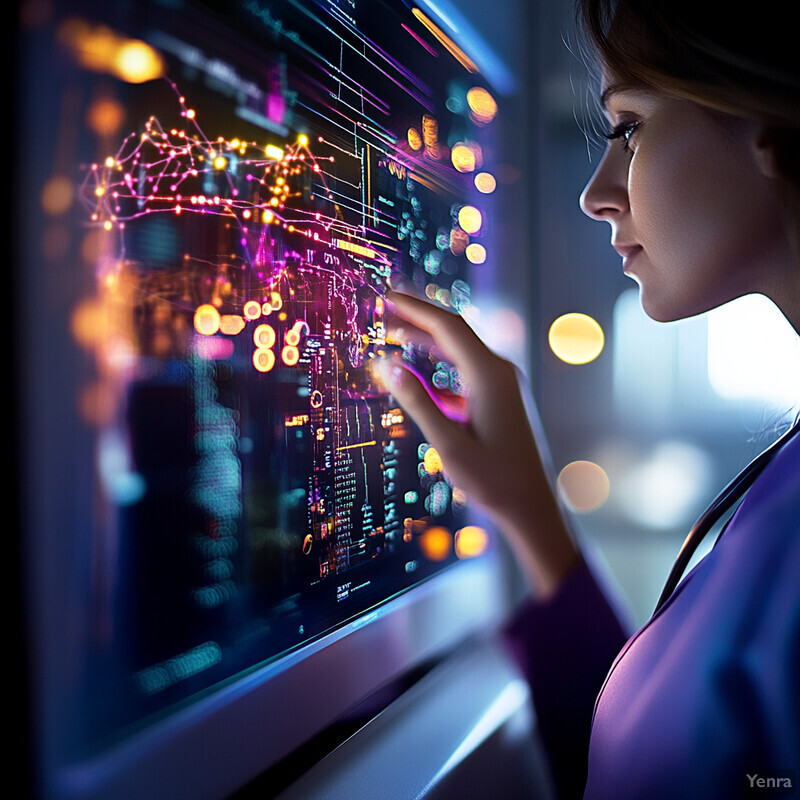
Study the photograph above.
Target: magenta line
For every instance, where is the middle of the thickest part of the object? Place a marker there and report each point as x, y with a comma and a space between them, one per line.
420, 40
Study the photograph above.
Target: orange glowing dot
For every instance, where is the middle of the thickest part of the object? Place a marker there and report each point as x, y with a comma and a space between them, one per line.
436, 543
105, 116
252, 309
264, 336
263, 360
88, 323
137, 62
414, 139
290, 355
471, 541
458, 241
190, 113
292, 338
231, 324
206, 320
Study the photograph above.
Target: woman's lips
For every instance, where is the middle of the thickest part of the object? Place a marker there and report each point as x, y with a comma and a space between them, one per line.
628, 253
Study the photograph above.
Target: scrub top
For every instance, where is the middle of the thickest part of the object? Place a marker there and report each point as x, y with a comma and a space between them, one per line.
704, 700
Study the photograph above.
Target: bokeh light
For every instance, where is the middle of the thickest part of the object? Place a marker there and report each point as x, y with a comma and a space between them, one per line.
482, 105
231, 324
576, 338
105, 116
290, 355
666, 488
263, 359
100, 49
465, 156
57, 195
485, 182
583, 485
137, 62
471, 541
206, 320
432, 461
475, 253
470, 219
264, 336
436, 543
252, 309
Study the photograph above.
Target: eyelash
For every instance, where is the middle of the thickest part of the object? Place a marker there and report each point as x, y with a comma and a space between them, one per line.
623, 131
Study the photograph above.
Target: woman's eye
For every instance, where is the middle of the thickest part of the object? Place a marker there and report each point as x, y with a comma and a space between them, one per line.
623, 131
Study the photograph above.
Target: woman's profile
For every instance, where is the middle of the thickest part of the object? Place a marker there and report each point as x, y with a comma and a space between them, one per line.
700, 184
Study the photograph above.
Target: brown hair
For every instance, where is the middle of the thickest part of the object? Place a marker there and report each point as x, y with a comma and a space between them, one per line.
731, 58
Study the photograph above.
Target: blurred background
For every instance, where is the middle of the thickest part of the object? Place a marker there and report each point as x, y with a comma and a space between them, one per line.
646, 421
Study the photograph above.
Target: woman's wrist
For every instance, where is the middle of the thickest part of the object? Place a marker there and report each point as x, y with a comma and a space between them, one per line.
542, 544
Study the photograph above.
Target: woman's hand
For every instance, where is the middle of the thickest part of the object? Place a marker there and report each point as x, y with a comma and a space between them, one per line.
485, 440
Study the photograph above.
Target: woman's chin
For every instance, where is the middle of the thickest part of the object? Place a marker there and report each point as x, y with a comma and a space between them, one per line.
659, 309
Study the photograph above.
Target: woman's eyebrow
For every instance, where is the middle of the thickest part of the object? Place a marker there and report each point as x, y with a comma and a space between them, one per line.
621, 88
610, 91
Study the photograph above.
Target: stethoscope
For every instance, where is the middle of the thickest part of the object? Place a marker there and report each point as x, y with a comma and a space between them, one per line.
725, 501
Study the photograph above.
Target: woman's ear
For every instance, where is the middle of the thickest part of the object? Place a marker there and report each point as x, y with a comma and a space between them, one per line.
766, 157
777, 150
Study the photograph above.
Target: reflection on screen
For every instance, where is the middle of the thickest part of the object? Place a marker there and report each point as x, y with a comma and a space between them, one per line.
252, 196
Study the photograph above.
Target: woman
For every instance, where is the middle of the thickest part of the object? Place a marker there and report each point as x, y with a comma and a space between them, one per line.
701, 186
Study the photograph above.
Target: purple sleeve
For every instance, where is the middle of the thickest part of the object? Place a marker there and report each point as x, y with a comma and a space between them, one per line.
564, 647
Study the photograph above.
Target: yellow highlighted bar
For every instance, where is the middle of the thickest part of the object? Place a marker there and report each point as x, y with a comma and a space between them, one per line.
358, 249
360, 444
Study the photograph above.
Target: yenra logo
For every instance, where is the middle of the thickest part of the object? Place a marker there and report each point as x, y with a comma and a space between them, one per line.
772, 782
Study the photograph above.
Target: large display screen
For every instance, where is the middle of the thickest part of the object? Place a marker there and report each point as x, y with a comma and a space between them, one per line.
262, 170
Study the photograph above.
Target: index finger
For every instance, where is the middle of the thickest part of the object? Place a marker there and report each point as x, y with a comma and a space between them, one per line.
451, 334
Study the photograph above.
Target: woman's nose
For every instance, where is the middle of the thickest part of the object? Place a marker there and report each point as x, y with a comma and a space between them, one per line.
606, 194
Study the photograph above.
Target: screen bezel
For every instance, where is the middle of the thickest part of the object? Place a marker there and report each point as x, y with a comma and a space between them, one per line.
172, 756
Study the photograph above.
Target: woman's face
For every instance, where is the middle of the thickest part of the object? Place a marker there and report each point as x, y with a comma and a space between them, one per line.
693, 210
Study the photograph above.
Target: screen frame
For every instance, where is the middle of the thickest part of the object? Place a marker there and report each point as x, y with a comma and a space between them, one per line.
199, 751
218, 744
